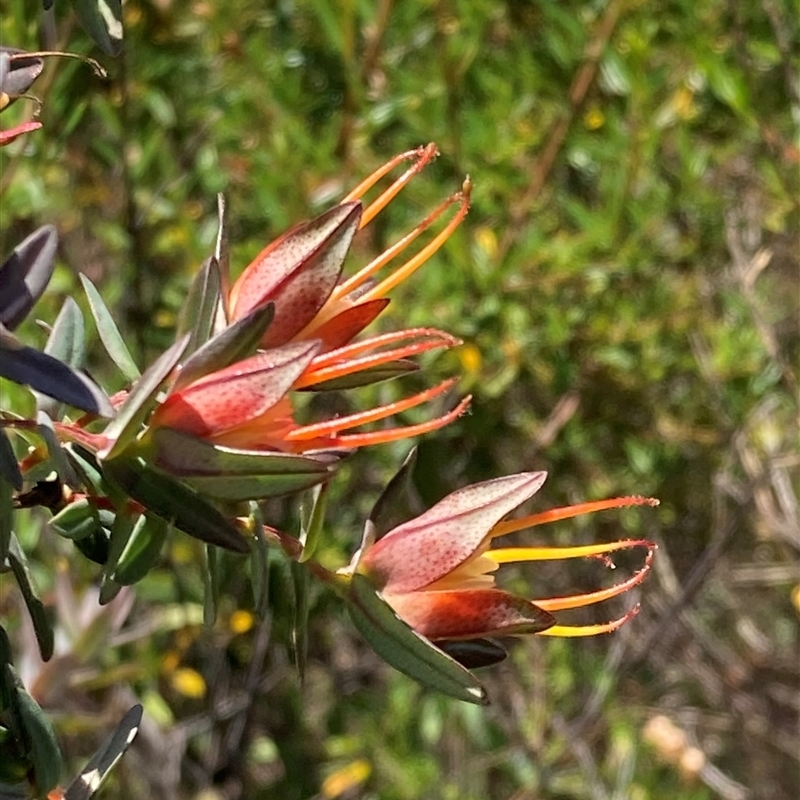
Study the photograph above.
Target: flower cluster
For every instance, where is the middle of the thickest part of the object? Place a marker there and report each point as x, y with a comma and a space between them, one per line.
212, 428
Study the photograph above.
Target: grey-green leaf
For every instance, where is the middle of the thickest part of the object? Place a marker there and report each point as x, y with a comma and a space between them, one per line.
109, 333
200, 309
124, 429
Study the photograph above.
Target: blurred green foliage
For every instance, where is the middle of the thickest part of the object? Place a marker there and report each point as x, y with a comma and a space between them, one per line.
627, 287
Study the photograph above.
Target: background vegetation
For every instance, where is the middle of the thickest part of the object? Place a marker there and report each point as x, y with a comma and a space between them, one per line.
627, 286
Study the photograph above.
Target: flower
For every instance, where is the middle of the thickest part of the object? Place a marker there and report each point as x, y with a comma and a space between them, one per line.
436, 571
247, 405
300, 271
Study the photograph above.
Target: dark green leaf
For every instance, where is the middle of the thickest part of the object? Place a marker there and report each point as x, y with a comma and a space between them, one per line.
9, 466
25, 274
259, 563
405, 650
102, 20
311, 530
41, 625
80, 519
395, 505
142, 550
474, 653
106, 757
173, 502
39, 739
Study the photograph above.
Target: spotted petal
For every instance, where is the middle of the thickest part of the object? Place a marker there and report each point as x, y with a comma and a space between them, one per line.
297, 272
469, 613
429, 547
234, 396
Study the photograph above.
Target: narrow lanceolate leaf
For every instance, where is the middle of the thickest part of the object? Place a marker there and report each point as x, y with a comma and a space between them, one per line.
405, 650
171, 501
259, 563
223, 256
109, 333
43, 373
41, 625
121, 532
234, 343
9, 466
6, 518
142, 550
37, 733
102, 20
311, 530
230, 474
211, 585
25, 275
300, 617
67, 343
200, 309
106, 757
395, 504
125, 428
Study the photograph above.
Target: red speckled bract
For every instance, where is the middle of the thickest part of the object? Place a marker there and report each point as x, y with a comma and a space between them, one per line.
236, 394
297, 272
469, 613
425, 549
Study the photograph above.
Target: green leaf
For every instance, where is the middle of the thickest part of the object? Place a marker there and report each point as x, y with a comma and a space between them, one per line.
80, 519
109, 333
39, 738
9, 466
200, 309
222, 254
404, 649
394, 505
6, 518
311, 529
173, 502
67, 343
125, 428
234, 343
300, 618
121, 532
102, 20
142, 551
259, 563
106, 757
41, 625
230, 474
211, 586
